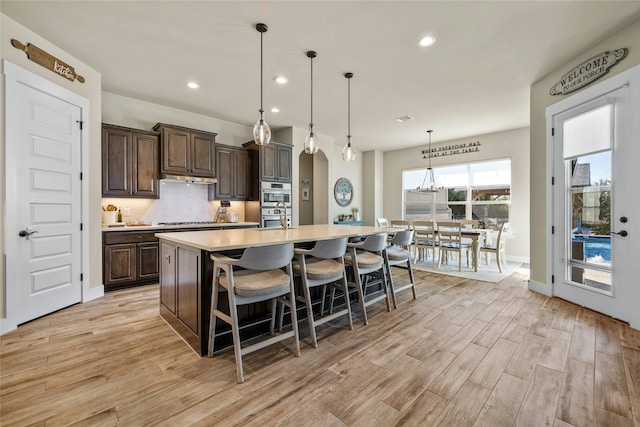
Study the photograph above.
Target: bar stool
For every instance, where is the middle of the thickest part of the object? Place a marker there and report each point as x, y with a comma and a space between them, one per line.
321, 266
396, 254
262, 279
367, 257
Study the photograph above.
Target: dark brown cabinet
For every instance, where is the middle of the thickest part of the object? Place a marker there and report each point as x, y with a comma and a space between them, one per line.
130, 258
271, 162
186, 152
232, 166
129, 162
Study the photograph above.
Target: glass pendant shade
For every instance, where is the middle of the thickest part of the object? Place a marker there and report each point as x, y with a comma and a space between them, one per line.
348, 152
311, 145
261, 131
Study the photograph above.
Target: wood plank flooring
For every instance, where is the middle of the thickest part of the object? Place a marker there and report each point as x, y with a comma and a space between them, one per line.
464, 353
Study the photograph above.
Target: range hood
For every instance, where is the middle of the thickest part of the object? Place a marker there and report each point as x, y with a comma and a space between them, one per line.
187, 179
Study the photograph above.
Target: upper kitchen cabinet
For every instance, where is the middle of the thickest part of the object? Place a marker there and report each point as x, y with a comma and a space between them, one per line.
271, 162
232, 166
186, 152
129, 162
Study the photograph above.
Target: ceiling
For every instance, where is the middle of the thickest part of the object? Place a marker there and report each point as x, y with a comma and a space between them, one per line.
474, 80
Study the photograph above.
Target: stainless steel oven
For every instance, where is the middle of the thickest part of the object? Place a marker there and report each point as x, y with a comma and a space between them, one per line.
270, 218
273, 192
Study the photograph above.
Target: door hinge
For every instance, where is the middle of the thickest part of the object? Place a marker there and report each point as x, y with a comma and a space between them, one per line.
80, 123
553, 131
553, 180
553, 279
553, 229
80, 176
81, 277
80, 226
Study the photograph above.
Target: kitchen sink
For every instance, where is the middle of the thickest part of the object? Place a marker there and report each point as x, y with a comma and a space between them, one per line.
275, 229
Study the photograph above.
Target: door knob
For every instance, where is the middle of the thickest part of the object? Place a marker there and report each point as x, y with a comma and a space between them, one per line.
622, 233
26, 232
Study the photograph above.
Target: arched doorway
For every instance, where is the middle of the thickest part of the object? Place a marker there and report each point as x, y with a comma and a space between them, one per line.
313, 200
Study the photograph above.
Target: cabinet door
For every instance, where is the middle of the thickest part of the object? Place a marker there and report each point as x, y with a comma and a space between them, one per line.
224, 166
202, 154
168, 278
175, 151
120, 264
148, 257
116, 164
188, 286
284, 164
241, 174
269, 170
145, 165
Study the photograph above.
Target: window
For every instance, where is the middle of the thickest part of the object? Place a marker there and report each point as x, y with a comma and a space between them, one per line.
480, 191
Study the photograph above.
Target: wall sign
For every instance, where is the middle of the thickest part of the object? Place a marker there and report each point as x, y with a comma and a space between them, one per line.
48, 61
452, 150
588, 71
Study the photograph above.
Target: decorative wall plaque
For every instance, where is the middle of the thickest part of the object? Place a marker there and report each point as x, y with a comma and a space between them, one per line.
588, 71
343, 192
452, 150
48, 61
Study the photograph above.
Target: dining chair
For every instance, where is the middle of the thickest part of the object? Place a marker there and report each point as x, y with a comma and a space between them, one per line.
382, 222
499, 248
256, 276
400, 223
424, 240
450, 240
367, 257
397, 254
323, 265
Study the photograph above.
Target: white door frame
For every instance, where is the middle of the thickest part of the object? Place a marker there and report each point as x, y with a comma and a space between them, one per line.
14, 74
599, 90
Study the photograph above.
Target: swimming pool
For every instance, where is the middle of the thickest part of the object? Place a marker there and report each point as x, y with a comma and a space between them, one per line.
595, 247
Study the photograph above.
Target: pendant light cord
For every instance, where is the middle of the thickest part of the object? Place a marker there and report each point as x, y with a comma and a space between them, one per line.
349, 111
311, 124
261, 109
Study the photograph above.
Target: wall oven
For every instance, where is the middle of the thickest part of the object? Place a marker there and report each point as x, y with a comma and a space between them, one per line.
273, 192
270, 218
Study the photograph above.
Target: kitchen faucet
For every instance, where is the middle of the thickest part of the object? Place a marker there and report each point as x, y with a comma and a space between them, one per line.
283, 213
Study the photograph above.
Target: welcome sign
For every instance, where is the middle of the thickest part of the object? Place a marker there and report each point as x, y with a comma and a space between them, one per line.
588, 71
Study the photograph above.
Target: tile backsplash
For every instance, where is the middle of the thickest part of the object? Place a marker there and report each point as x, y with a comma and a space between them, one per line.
178, 202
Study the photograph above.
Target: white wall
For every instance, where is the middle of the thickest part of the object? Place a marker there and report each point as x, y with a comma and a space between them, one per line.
512, 144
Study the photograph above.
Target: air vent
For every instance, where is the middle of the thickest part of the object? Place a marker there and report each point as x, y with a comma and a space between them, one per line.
405, 118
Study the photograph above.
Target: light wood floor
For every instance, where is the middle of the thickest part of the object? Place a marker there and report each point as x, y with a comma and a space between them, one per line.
463, 353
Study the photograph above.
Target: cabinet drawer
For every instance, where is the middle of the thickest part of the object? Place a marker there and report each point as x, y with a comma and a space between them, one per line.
113, 238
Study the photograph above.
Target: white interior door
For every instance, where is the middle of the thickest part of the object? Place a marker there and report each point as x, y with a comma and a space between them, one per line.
44, 195
595, 197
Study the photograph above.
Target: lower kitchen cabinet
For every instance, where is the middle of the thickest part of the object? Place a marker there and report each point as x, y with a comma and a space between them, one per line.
130, 258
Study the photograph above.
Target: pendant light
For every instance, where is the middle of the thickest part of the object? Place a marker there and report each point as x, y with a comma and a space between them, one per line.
348, 152
311, 141
429, 177
261, 130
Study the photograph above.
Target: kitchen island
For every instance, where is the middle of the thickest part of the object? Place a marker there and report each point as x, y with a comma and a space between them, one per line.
186, 273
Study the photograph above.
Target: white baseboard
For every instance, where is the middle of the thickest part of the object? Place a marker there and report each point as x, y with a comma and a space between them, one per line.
89, 294
541, 288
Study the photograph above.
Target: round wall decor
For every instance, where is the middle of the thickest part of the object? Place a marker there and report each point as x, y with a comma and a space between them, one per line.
343, 192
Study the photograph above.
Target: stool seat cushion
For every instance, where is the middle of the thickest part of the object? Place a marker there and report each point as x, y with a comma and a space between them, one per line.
321, 269
251, 283
395, 253
365, 259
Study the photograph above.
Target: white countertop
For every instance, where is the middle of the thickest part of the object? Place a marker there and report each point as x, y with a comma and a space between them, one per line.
177, 227
217, 240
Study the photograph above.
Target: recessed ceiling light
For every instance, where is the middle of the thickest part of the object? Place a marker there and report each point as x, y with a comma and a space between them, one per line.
405, 118
275, 110
193, 85
280, 79
427, 41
